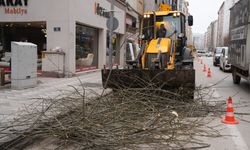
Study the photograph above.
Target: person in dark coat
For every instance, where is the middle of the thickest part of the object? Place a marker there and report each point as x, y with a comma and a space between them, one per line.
162, 31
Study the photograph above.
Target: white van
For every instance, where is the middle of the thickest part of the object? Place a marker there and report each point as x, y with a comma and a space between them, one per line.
217, 54
224, 64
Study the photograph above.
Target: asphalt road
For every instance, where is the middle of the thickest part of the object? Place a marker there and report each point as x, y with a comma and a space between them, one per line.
236, 137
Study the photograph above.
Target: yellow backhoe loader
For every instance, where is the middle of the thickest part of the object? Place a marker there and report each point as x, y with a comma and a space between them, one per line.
164, 61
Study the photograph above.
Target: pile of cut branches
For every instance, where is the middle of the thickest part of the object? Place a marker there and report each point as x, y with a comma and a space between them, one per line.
127, 118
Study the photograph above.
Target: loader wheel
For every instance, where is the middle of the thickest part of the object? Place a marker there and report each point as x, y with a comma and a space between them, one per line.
236, 78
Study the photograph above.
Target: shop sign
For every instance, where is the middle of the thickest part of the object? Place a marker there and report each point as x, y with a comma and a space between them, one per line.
14, 7
99, 10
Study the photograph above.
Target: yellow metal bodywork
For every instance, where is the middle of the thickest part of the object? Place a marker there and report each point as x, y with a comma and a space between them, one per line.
153, 46
156, 45
164, 73
162, 13
164, 7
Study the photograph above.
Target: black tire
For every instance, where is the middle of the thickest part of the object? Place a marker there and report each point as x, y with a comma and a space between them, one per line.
223, 69
214, 64
236, 78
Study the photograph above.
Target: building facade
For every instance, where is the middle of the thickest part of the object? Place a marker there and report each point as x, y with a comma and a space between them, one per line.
223, 22
75, 29
206, 41
134, 16
183, 7
198, 41
214, 34
209, 38
220, 24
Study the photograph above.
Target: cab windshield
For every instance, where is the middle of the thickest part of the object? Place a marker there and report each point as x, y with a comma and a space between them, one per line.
170, 23
218, 50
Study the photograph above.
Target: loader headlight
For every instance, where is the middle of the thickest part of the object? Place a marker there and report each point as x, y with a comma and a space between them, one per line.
177, 14
146, 16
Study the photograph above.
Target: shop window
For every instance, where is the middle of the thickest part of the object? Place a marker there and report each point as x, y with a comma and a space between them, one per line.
86, 48
25, 33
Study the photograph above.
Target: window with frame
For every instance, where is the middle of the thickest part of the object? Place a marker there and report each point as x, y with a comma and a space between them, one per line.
86, 47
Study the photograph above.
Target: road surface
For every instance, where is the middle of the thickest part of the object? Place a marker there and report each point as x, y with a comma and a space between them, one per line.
223, 87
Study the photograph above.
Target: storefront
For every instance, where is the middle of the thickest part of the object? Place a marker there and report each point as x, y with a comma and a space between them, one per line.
86, 47
34, 32
75, 28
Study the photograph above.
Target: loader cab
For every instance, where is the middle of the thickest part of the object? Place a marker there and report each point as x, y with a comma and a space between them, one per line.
174, 22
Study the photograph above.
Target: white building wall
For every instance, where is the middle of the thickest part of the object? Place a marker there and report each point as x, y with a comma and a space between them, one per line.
65, 14
220, 26
93, 20
223, 22
180, 6
198, 40
206, 41
215, 27
149, 5
55, 14
226, 22
80, 8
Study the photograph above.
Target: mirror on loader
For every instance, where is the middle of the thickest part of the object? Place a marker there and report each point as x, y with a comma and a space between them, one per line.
190, 20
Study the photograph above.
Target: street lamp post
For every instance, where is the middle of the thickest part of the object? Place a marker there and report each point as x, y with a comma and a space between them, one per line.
111, 34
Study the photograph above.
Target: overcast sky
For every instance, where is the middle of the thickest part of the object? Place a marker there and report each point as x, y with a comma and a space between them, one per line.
204, 12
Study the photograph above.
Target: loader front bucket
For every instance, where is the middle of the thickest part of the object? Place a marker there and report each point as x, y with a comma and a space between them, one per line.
181, 81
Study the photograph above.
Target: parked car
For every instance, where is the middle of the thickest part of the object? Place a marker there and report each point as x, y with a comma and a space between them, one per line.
209, 54
224, 64
217, 54
201, 53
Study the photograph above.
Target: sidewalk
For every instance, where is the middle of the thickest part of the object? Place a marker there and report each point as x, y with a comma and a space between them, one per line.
13, 100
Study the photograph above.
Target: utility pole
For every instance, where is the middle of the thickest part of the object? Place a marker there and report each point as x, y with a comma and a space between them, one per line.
111, 35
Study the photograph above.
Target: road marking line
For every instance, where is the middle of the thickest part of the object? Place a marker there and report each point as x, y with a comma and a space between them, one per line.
237, 138
234, 131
